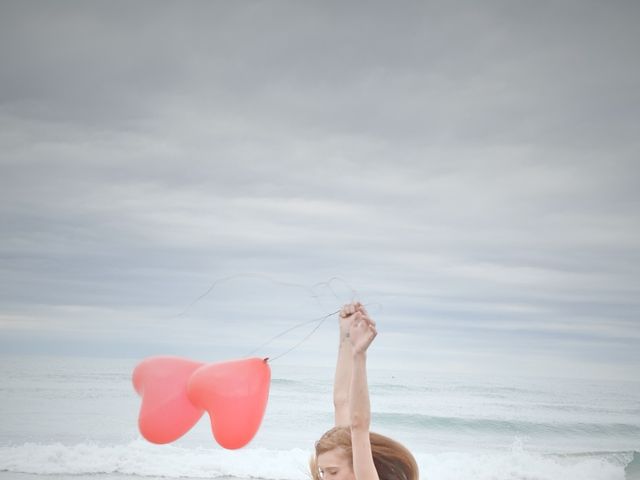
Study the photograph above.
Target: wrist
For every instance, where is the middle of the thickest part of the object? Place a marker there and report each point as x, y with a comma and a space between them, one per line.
359, 354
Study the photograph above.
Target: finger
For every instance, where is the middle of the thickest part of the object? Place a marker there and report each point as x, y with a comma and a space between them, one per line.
374, 332
369, 320
366, 314
359, 322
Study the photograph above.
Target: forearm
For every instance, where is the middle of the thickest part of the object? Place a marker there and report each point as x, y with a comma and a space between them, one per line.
359, 407
342, 380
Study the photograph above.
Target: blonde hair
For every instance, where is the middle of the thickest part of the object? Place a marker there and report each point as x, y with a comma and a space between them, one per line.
393, 460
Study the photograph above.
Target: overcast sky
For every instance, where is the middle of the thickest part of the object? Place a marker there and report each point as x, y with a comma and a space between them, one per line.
468, 169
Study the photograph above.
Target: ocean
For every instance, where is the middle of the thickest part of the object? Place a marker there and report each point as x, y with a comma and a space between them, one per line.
76, 418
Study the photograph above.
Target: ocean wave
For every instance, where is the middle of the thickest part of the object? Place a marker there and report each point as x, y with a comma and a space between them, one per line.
515, 427
142, 459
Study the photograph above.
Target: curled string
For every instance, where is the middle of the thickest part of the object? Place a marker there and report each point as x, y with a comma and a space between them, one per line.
310, 290
327, 284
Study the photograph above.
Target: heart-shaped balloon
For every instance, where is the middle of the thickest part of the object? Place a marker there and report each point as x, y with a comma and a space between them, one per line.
166, 412
235, 395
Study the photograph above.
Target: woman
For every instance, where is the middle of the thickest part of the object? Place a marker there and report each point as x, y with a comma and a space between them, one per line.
349, 451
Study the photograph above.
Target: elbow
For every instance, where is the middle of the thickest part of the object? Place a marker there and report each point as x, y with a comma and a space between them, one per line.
340, 401
360, 422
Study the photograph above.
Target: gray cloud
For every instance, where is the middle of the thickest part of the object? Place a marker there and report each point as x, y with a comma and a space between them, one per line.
472, 169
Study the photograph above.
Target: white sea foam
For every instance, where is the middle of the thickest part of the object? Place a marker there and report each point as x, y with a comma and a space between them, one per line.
142, 459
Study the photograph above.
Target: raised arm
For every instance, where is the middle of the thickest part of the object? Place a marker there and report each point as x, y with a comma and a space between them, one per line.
342, 380
361, 334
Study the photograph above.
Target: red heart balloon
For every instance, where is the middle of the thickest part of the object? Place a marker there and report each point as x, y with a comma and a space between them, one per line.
166, 413
235, 395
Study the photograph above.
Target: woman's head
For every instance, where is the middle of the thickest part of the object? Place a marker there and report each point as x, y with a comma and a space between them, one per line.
333, 458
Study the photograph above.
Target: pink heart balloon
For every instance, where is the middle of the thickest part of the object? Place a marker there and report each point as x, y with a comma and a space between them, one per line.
166, 413
235, 395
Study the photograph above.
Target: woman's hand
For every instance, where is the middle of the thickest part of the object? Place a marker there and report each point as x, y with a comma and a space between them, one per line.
362, 330
346, 317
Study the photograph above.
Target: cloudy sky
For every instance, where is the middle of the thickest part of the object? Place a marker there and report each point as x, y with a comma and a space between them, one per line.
468, 169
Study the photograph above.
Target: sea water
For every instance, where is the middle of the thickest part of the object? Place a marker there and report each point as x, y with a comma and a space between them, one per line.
77, 418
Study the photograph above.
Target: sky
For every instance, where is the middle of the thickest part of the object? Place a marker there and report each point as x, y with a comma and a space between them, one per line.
468, 170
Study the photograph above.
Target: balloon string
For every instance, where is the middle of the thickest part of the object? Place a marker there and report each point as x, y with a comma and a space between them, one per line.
320, 321
310, 290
